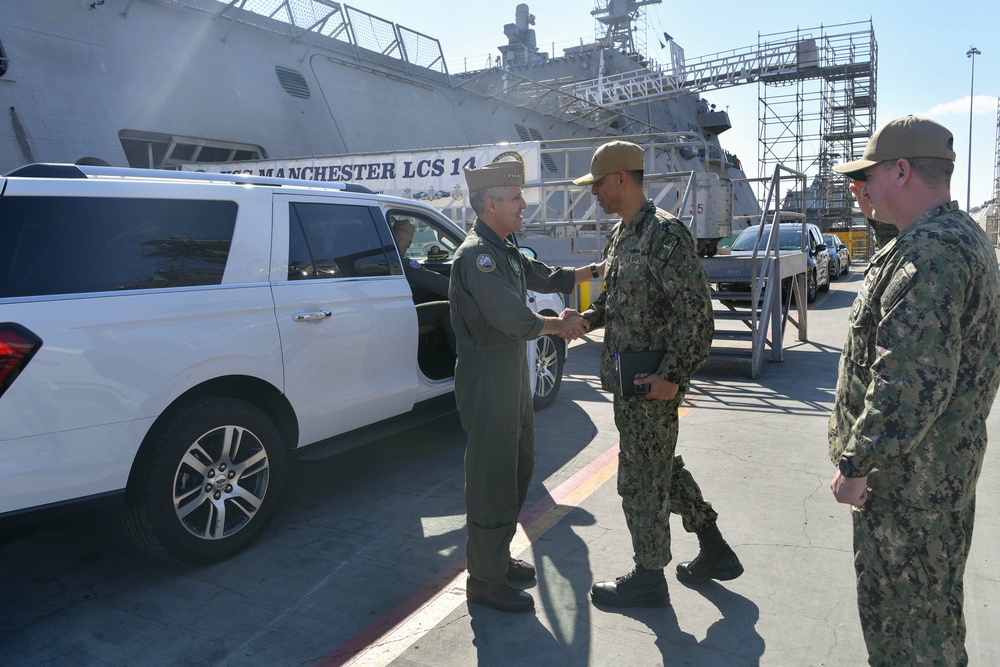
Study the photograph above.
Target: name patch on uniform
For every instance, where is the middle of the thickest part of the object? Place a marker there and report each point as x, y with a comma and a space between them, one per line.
485, 263
514, 264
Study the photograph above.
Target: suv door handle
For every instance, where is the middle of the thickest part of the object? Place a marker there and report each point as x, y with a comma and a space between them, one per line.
314, 315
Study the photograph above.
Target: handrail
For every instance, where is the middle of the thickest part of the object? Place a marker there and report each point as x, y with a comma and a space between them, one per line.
771, 266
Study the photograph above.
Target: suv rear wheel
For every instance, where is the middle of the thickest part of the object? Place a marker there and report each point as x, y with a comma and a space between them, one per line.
207, 482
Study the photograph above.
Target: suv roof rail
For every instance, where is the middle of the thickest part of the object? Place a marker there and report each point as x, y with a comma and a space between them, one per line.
47, 170
53, 170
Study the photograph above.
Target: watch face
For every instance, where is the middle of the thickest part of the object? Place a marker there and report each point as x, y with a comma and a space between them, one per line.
847, 468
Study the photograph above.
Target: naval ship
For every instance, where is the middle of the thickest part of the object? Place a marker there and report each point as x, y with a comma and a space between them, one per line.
169, 83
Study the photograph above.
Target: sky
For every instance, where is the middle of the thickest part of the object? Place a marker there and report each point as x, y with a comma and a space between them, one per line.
922, 63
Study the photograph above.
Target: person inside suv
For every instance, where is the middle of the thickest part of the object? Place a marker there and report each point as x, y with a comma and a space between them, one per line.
434, 314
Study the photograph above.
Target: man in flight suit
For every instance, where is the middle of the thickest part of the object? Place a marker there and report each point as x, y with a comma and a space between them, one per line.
489, 282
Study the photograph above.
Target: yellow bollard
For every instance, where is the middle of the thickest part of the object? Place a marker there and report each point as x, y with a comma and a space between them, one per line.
584, 296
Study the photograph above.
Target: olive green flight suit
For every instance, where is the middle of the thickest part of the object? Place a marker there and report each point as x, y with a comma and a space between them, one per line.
489, 282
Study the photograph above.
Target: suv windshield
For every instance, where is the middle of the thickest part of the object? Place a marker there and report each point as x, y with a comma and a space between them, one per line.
790, 238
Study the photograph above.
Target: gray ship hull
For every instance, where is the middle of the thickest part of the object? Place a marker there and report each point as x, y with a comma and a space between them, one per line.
159, 83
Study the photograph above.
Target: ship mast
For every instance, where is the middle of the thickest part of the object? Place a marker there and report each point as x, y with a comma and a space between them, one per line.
621, 26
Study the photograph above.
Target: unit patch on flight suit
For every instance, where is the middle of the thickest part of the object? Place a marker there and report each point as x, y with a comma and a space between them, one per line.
485, 263
514, 264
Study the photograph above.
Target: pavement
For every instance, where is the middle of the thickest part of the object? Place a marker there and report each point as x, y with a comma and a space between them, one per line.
364, 562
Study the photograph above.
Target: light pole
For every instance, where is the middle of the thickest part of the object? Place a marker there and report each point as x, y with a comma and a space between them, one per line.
971, 53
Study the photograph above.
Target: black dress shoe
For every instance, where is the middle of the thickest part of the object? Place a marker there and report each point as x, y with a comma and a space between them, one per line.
501, 596
519, 570
638, 588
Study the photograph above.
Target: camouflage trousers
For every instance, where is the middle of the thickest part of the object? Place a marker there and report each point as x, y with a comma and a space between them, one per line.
653, 481
910, 564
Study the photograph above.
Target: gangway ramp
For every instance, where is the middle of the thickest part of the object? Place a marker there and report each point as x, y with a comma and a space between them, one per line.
753, 294
750, 321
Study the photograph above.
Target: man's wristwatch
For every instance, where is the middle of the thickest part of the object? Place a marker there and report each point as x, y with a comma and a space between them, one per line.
593, 271
847, 468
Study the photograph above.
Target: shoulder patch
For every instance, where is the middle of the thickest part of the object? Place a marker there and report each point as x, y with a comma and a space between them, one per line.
415, 264
665, 249
485, 263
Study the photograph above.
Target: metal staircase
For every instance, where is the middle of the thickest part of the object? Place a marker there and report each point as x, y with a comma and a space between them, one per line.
750, 321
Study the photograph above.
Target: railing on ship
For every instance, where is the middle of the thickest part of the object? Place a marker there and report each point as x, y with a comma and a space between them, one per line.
556, 203
396, 44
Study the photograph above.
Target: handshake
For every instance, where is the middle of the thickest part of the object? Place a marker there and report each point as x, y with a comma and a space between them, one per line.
571, 324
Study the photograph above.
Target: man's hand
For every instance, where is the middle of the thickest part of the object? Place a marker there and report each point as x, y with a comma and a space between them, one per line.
864, 202
849, 490
570, 325
659, 389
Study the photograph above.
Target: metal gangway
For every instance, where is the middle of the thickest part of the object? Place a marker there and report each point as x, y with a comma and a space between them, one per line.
762, 313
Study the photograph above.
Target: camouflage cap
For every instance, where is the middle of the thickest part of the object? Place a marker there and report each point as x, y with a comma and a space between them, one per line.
907, 137
611, 158
494, 175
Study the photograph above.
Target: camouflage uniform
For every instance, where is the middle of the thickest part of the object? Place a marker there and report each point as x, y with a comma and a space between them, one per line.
657, 297
917, 379
883, 232
489, 280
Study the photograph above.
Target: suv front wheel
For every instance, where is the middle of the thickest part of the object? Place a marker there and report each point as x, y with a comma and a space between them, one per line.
207, 482
550, 355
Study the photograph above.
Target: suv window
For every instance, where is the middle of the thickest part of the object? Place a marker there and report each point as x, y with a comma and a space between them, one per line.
334, 241
68, 245
425, 237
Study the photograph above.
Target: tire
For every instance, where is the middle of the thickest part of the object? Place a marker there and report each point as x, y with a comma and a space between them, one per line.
835, 273
213, 460
549, 360
811, 289
826, 283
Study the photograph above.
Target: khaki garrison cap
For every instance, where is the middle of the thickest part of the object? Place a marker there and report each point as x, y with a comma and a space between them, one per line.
908, 137
611, 158
494, 175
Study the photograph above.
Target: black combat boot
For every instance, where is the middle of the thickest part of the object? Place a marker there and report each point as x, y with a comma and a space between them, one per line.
638, 588
715, 560
501, 597
519, 570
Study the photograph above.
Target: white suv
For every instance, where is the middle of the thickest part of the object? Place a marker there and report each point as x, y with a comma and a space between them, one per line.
168, 340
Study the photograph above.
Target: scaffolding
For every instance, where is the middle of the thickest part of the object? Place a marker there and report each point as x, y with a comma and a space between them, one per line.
993, 214
819, 112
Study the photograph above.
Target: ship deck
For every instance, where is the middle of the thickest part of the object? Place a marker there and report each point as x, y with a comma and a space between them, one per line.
364, 562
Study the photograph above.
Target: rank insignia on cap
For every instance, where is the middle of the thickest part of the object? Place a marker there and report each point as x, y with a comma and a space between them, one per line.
485, 263
414, 263
514, 264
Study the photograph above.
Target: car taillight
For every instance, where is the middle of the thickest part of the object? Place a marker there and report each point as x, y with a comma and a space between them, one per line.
17, 346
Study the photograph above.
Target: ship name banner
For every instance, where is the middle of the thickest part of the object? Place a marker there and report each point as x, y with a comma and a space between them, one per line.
429, 175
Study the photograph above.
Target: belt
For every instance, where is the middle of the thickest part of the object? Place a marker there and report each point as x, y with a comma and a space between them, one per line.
472, 346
